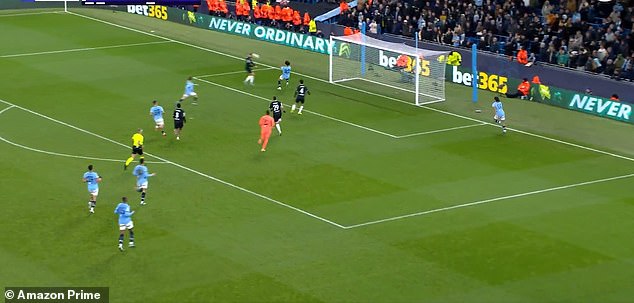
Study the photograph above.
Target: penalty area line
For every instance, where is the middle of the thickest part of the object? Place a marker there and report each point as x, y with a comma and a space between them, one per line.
307, 111
509, 197
61, 154
439, 130
30, 14
231, 73
240, 188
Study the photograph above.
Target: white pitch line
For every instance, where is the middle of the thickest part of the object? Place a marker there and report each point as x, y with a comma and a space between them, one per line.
67, 155
6, 109
59, 154
367, 92
83, 49
180, 166
490, 200
231, 73
439, 130
29, 14
308, 111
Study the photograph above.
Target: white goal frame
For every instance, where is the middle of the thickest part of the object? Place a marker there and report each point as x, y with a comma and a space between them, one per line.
403, 49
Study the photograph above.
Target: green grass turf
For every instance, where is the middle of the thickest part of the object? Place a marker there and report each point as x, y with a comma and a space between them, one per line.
200, 240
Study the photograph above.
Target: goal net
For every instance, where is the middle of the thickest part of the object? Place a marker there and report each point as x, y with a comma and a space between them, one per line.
419, 73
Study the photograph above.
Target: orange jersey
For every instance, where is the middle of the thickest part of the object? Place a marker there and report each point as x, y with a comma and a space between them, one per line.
266, 122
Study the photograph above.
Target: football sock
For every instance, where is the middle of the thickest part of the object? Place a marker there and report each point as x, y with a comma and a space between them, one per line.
293, 108
142, 157
121, 239
279, 83
93, 204
142, 197
127, 162
131, 237
300, 109
163, 132
279, 128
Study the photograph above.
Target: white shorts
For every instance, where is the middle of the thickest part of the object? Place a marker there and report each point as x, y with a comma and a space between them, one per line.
142, 185
94, 192
128, 226
284, 78
499, 118
159, 122
192, 94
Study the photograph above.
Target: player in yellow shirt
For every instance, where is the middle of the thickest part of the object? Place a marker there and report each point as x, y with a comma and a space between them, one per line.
137, 147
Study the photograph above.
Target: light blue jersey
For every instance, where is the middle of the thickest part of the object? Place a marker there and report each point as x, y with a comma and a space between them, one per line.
189, 87
157, 112
286, 72
125, 215
141, 173
91, 178
499, 111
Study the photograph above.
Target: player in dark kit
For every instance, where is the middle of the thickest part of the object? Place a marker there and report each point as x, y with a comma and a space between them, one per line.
300, 95
248, 67
179, 120
277, 108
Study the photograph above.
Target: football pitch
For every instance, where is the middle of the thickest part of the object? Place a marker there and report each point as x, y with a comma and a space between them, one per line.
364, 198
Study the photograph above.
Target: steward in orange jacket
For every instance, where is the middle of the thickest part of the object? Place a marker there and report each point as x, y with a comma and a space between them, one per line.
297, 20
222, 8
246, 9
522, 90
306, 19
287, 14
239, 10
278, 13
522, 56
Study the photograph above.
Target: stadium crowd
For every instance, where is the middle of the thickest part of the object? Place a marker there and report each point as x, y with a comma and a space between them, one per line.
587, 35
279, 15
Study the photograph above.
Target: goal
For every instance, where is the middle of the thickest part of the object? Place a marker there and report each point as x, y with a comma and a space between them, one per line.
419, 73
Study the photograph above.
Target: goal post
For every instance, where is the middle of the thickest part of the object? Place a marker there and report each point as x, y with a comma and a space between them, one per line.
369, 62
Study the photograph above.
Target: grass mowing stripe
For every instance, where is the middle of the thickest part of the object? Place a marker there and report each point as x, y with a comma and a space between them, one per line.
491, 200
83, 49
371, 93
181, 166
308, 111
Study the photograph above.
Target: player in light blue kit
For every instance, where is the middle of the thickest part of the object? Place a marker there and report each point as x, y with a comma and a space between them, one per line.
125, 222
499, 117
189, 91
156, 111
286, 74
92, 179
141, 173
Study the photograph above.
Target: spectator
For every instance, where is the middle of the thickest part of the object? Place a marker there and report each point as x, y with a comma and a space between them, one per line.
522, 56
615, 97
522, 90
373, 27
562, 57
